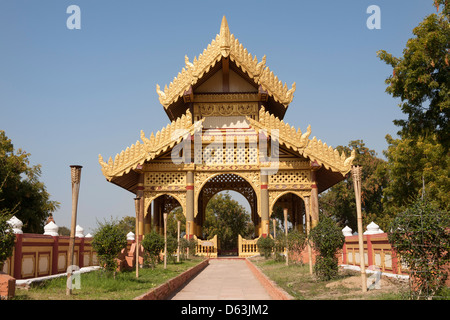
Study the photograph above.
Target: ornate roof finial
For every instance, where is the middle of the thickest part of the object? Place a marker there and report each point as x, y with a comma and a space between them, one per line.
224, 38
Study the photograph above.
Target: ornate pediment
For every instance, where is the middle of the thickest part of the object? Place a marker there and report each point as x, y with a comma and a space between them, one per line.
225, 45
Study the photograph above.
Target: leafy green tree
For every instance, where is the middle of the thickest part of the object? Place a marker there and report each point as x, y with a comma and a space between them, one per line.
172, 227
109, 239
416, 167
421, 236
327, 239
226, 218
339, 200
7, 238
128, 223
21, 192
421, 79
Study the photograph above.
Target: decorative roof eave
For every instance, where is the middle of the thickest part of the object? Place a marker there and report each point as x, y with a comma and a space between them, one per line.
294, 139
150, 148
225, 45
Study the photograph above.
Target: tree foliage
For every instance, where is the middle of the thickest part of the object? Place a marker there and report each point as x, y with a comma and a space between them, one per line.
7, 238
21, 192
416, 167
421, 79
421, 236
226, 218
339, 200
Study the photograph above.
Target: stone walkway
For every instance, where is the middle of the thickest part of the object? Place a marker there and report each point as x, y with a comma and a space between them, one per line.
224, 279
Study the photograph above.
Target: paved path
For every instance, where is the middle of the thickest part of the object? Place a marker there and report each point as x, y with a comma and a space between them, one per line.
224, 279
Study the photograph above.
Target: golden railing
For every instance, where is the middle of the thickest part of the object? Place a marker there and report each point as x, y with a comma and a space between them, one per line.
247, 248
207, 248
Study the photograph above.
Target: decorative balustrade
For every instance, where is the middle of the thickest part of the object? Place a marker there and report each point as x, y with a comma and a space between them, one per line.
247, 248
207, 248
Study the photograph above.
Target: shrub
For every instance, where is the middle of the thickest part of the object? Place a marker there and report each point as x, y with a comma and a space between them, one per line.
327, 239
109, 239
153, 245
265, 246
421, 236
278, 248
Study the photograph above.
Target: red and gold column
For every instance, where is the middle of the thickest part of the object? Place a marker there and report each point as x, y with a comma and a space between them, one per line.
190, 227
264, 204
314, 200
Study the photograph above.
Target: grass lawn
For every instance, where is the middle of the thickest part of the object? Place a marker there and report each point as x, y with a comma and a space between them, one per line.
296, 280
97, 285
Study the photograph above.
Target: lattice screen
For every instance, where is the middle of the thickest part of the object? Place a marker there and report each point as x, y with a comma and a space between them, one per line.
165, 178
290, 177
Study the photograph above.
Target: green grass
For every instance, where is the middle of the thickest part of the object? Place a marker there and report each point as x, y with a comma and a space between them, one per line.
296, 280
97, 285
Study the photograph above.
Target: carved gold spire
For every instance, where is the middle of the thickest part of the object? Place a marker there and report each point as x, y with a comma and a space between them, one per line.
224, 38
225, 45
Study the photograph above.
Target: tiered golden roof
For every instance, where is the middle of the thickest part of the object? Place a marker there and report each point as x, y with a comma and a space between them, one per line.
294, 139
225, 45
150, 148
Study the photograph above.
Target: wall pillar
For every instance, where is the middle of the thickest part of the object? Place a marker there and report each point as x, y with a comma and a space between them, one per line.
190, 227
55, 251
264, 204
18, 257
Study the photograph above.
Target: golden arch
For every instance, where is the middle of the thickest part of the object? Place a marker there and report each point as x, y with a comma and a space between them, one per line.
275, 195
201, 178
150, 196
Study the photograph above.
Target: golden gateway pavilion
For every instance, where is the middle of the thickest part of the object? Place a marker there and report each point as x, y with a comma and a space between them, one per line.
226, 133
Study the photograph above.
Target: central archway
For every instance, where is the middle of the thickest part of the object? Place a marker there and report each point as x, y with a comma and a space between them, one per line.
222, 182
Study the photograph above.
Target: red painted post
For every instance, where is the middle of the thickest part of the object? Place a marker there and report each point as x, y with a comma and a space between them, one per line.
55, 255
18, 257
81, 253
369, 250
344, 253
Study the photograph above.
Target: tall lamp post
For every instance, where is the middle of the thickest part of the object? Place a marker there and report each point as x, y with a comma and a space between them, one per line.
75, 173
136, 207
356, 173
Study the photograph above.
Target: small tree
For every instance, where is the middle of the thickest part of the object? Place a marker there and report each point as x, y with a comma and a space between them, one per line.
185, 244
296, 243
7, 238
172, 245
153, 244
265, 246
421, 236
327, 239
109, 239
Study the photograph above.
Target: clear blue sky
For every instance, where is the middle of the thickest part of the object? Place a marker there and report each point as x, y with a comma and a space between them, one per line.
68, 95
